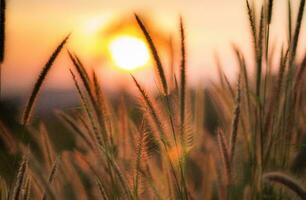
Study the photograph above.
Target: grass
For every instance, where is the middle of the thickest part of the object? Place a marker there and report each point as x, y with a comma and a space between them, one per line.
28, 110
166, 152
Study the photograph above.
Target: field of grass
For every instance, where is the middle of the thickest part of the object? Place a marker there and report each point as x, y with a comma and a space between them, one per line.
242, 140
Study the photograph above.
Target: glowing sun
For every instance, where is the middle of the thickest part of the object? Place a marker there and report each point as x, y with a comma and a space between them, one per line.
129, 53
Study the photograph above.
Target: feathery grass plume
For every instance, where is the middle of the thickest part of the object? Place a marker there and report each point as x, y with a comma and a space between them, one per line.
152, 111
140, 156
86, 105
235, 122
252, 21
182, 106
85, 80
287, 182
189, 136
73, 125
225, 154
29, 107
21, 176
259, 52
83, 98
183, 77
149, 105
51, 175
83, 75
296, 34
267, 39
2, 36
160, 69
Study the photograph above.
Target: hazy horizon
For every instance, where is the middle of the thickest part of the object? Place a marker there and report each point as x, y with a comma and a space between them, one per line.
34, 28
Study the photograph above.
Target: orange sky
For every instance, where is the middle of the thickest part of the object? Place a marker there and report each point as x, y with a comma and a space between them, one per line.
34, 27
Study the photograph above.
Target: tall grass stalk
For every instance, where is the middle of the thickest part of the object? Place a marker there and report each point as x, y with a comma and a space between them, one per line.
42, 76
294, 43
122, 152
158, 64
252, 22
152, 111
259, 52
88, 111
183, 77
96, 111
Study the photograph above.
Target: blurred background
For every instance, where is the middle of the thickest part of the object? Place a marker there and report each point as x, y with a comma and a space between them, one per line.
99, 27
34, 28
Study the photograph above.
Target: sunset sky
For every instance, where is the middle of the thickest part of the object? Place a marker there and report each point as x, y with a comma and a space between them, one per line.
35, 27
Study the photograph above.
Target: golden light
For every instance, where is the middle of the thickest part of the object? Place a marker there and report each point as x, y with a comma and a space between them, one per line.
128, 52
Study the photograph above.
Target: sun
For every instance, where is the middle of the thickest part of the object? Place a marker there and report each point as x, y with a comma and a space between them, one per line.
129, 53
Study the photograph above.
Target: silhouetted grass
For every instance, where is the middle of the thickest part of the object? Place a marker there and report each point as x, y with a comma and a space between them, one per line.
29, 107
169, 150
